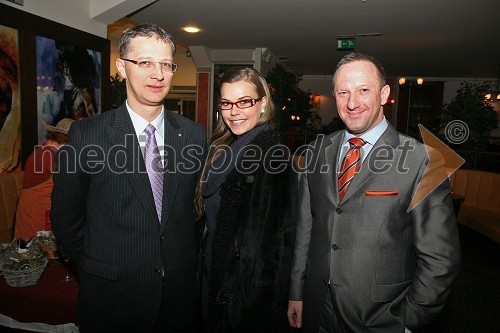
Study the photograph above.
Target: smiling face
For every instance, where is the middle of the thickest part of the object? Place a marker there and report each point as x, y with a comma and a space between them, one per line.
359, 96
240, 121
146, 88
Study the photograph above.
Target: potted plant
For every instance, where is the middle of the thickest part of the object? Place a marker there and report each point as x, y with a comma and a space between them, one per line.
470, 107
118, 90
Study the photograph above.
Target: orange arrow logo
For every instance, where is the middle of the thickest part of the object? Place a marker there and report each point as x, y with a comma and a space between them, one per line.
443, 162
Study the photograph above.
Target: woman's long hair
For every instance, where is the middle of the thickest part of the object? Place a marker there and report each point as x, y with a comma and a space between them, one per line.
222, 135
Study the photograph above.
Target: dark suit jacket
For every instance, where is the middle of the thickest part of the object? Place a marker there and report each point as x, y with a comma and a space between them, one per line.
388, 267
103, 212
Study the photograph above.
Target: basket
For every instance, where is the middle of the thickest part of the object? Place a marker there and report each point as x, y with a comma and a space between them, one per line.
23, 263
3, 252
23, 278
2, 249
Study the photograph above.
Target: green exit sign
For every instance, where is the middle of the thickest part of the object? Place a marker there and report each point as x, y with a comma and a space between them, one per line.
346, 44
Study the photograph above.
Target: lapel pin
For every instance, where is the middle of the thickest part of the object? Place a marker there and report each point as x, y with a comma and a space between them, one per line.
179, 134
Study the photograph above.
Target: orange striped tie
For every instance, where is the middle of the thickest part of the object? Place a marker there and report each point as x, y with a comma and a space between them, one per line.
350, 165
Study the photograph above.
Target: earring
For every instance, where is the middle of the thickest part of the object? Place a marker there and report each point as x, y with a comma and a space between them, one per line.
262, 110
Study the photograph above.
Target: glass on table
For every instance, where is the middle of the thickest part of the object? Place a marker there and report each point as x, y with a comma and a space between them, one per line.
66, 257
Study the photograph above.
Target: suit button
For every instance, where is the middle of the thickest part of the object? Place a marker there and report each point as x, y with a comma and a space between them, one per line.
338, 211
158, 269
162, 237
325, 281
335, 247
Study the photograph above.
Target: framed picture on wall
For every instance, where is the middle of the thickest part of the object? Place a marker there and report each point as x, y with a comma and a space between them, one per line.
65, 73
10, 113
68, 82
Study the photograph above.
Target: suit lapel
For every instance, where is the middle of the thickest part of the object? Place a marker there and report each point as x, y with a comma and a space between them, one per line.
390, 139
174, 142
122, 133
332, 152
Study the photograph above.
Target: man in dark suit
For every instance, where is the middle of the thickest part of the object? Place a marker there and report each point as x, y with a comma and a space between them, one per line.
371, 255
122, 203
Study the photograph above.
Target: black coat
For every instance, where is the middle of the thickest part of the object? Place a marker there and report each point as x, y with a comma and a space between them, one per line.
104, 214
253, 243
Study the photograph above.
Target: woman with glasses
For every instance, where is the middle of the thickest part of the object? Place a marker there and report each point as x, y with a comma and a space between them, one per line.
248, 197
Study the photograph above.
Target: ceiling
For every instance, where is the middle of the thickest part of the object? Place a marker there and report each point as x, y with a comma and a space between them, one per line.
429, 38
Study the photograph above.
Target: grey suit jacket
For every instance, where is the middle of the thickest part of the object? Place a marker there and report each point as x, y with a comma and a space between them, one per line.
103, 212
387, 267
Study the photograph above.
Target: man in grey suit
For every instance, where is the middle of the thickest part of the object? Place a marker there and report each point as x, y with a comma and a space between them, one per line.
371, 256
122, 203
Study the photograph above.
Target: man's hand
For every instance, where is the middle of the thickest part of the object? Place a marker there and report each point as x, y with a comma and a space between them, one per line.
295, 313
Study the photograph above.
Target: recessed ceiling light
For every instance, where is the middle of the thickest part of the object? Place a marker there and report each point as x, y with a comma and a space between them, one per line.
191, 29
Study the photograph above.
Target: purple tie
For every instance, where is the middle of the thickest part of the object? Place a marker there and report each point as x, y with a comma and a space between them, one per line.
154, 167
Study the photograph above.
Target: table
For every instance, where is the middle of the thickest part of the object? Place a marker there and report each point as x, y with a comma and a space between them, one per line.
50, 302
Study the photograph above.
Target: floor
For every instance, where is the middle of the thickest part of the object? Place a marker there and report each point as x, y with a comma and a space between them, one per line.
474, 302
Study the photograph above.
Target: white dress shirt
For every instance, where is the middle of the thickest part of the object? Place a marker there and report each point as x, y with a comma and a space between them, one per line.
140, 125
370, 138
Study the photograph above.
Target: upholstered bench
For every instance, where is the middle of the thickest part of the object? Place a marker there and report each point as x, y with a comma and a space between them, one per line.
480, 209
10, 190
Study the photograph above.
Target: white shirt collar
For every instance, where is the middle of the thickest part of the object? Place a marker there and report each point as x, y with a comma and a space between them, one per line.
140, 123
371, 136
